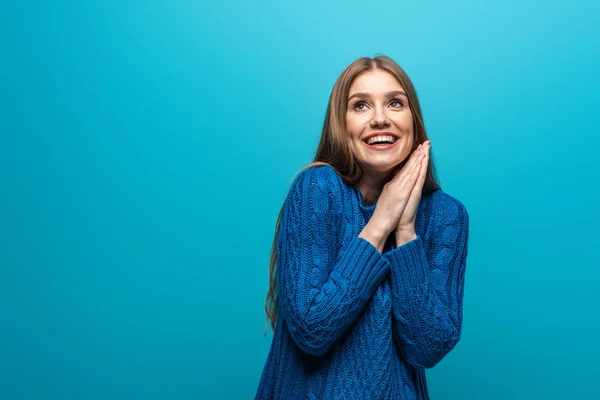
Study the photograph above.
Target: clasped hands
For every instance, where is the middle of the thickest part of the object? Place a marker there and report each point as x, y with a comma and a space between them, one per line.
399, 200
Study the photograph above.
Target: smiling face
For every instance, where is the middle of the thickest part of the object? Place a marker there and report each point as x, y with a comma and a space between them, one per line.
377, 104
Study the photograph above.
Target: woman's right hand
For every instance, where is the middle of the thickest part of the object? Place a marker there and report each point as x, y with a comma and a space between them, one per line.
396, 193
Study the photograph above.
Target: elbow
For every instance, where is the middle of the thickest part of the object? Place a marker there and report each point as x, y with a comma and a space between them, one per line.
313, 330
317, 350
311, 340
430, 351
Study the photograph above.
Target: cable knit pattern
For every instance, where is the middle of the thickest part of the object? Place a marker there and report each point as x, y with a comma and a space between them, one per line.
355, 323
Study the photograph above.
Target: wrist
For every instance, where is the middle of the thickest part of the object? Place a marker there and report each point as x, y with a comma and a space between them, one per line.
404, 236
375, 235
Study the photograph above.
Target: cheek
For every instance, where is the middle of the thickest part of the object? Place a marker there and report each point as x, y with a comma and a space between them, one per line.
405, 121
352, 126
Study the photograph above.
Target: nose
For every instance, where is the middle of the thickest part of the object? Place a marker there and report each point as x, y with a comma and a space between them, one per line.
379, 119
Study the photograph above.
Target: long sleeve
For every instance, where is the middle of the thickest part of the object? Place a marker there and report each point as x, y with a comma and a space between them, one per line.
322, 286
427, 289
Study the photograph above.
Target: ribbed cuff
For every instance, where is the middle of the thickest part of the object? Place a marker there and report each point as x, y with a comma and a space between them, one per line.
362, 264
409, 262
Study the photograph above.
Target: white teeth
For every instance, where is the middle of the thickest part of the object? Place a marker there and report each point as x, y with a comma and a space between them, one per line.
389, 138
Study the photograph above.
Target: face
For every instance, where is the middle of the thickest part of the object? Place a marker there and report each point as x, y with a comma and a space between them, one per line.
378, 104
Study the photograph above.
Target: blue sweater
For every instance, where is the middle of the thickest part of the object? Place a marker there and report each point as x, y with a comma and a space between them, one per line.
355, 323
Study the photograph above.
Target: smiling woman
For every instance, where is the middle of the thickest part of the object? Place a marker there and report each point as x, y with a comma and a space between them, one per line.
369, 255
379, 124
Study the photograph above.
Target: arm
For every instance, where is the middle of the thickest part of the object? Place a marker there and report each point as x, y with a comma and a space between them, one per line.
427, 289
321, 292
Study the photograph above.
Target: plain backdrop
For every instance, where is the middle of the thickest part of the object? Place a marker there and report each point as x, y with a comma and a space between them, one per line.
146, 148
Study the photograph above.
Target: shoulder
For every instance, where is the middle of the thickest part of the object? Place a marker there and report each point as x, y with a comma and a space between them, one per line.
447, 209
321, 174
322, 179
319, 189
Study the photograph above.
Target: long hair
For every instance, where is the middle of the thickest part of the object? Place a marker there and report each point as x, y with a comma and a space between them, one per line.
334, 148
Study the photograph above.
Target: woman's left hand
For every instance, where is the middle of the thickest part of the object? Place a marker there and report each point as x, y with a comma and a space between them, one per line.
406, 224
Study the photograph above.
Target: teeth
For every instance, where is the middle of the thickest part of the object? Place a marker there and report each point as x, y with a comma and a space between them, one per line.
383, 138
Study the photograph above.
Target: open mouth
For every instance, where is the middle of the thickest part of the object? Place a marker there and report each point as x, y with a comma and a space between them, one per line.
381, 142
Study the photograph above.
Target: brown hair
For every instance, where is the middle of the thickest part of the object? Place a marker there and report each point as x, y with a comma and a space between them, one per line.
334, 149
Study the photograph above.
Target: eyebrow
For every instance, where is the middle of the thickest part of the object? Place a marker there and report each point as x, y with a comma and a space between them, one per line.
393, 93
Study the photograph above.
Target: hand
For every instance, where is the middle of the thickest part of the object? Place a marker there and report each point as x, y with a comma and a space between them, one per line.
396, 194
406, 224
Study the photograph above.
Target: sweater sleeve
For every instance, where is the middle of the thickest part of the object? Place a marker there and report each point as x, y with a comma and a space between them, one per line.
322, 286
427, 289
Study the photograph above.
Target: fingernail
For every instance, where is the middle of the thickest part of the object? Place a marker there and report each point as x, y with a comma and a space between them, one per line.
419, 146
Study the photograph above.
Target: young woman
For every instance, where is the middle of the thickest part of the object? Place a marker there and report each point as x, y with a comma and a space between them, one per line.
369, 256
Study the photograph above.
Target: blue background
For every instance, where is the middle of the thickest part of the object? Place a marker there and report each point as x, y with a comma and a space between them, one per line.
146, 148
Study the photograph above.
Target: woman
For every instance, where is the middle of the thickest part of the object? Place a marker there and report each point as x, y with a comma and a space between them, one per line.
370, 252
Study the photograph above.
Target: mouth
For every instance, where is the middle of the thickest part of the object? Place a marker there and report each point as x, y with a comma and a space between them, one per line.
381, 141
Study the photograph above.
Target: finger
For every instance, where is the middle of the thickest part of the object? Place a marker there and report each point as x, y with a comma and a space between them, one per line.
423, 170
418, 153
413, 165
415, 154
417, 188
408, 182
407, 168
424, 151
410, 209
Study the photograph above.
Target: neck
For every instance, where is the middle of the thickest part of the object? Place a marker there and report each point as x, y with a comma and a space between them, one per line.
371, 186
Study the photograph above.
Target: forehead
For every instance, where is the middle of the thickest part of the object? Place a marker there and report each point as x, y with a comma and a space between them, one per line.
375, 81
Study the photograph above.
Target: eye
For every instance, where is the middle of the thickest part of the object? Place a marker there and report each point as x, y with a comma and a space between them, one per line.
357, 104
397, 101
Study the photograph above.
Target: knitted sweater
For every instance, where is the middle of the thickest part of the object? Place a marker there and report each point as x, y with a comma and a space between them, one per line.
354, 323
